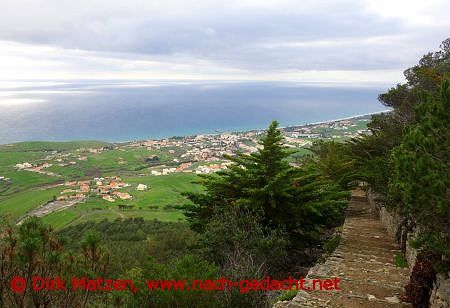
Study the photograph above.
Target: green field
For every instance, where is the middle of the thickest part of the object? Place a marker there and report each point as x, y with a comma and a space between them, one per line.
158, 202
71, 161
35, 146
26, 190
18, 204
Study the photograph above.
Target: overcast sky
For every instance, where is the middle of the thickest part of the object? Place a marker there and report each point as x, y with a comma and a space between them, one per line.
299, 40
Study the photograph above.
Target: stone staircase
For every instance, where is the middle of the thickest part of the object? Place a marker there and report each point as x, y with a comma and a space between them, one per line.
364, 263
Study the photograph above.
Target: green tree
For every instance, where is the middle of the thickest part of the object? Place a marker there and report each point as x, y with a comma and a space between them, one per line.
286, 197
259, 181
31, 250
419, 187
371, 154
334, 163
259, 209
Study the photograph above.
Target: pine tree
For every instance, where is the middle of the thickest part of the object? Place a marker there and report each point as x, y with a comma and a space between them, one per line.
421, 177
300, 200
270, 177
259, 181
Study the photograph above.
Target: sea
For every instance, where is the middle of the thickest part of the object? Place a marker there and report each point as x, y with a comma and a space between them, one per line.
137, 110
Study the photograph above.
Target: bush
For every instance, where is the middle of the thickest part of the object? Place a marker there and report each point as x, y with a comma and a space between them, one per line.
421, 282
420, 184
286, 296
330, 245
400, 261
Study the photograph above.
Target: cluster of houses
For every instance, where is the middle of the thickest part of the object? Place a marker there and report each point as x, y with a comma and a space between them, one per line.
212, 147
211, 168
164, 171
74, 190
94, 150
4, 179
295, 142
63, 159
60, 160
39, 168
183, 167
344, 127
204, 147
106, 187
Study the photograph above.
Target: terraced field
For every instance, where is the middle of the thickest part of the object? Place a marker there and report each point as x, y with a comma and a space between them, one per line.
22, 191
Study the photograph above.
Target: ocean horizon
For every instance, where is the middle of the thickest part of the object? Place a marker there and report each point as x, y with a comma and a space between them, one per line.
123, 111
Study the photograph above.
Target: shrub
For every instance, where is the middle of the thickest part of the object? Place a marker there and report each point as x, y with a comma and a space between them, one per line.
400, 261
330, 245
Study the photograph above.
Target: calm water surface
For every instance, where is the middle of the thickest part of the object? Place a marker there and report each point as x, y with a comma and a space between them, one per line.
119, 111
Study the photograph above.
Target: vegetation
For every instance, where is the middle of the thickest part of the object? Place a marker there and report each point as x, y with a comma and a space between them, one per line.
334, 162
286, 296
32, 250
296, 199
400, 261
257, 215
160, 201
136, 237
407, 153
18, 204
22, 190
256, 218
406, 158
419, 187
330, 245
34, 146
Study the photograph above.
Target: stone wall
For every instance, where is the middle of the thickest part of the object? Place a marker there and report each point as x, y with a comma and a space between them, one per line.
440, 296
404, 231
362, 260
398, 227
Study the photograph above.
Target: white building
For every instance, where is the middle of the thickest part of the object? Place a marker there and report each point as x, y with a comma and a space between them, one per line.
141, 187
24, 165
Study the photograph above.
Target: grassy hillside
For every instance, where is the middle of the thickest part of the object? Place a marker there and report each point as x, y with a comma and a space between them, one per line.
18, 204
158, 202
25, 190
51, 146
54, 163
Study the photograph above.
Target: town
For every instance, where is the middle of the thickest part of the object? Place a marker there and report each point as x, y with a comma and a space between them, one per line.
98, 174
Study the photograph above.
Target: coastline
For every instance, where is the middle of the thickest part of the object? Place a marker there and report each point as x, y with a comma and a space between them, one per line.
237, 131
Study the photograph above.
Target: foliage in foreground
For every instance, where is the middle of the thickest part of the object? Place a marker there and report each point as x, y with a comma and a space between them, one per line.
372, 154
420, 183
261, 210
299, 201
406, 156
244, 226
33, 249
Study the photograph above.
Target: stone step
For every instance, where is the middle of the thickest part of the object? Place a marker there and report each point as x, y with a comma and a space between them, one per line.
364, 263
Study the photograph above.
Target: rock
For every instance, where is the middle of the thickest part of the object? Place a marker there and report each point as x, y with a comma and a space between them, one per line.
301, 296
392, 299
349, 262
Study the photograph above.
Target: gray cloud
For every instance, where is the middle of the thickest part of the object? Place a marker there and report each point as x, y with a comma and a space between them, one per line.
250, 35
